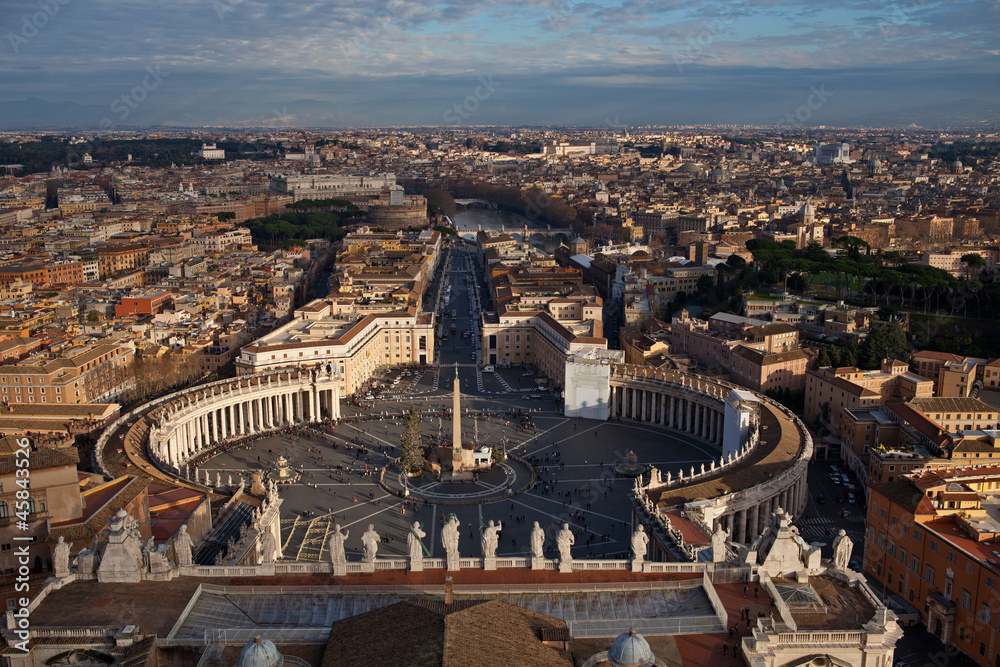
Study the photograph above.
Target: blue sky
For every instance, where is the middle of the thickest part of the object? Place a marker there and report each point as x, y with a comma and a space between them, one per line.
547, 61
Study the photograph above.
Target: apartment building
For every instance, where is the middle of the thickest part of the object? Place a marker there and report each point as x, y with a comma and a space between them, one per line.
769, 371
830, 391
92, 373
931, 538
115, 259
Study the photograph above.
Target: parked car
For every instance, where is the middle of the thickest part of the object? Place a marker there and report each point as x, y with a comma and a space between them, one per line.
851, 498
488, 369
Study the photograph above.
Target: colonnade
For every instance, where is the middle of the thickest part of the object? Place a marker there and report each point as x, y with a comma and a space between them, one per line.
745, 521
697, 414
197, 419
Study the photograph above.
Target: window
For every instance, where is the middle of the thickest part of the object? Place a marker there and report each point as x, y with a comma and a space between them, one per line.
950, 556
985, 613
929, 574
933, 545
3, 510
989, 582
965, 599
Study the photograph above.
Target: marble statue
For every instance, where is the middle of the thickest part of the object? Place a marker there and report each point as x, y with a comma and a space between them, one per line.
537, 541
415, 546
369, 543
183, 545
491, 539
449, 540
564, 541
640, 542
268, 548
338, 552
719, 539
842, 547
60, 557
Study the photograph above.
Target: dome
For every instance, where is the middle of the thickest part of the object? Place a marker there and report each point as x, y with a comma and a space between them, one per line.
260, 653
874, 162
807, 209
631, 650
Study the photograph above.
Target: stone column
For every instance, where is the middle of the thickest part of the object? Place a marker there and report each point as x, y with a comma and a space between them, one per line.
314, 417
642, 405
199, 434
689, 425
754, 522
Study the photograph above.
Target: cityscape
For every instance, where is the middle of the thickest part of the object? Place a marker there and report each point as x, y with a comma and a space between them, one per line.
561, 334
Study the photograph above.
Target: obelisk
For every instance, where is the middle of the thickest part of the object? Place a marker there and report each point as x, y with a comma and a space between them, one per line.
456, 425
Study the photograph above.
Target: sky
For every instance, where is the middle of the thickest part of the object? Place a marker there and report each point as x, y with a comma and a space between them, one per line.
628, 63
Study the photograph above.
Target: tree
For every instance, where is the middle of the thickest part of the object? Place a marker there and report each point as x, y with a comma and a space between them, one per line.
705, 283
975, 263
823, 360
886, 340
412, 459
93, 316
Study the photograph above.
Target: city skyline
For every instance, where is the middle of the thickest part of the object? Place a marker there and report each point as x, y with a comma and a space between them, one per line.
246, 63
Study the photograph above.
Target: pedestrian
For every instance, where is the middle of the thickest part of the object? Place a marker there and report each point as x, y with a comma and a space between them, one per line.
725, 649
744, 590
756, 590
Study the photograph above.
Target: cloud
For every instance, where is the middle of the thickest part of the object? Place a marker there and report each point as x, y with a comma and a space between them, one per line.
372, 54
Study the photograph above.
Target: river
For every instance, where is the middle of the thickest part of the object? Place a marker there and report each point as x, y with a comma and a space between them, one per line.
470, 219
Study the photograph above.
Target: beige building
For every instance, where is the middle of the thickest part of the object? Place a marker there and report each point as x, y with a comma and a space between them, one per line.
536, 337
90, 374
356, 348
762, 371
829, 391
54, 495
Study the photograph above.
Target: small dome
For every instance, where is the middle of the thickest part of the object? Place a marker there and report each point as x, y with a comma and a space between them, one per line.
631, 650
260, 653
875, 162
807, 209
